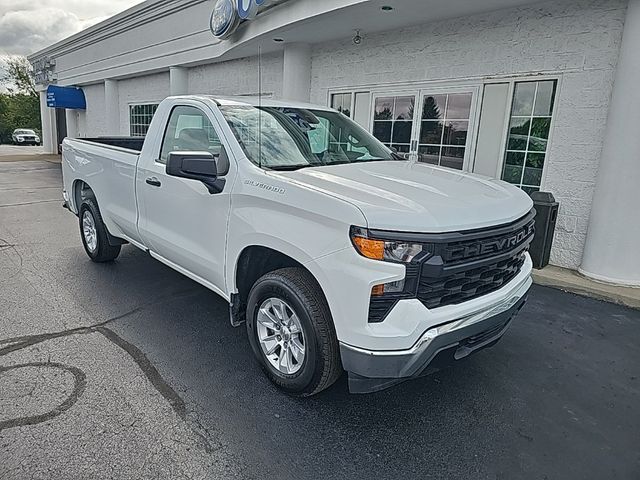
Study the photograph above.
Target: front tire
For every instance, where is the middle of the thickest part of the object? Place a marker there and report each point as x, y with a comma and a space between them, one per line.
292, 333
94, 233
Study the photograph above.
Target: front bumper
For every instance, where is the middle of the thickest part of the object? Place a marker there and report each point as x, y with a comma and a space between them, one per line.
371, 371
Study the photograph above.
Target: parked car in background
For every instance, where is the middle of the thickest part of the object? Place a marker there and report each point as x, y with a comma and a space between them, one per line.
24, 136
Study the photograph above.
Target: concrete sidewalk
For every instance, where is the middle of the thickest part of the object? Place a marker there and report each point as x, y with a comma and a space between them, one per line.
20, 153
572, 281
31, 158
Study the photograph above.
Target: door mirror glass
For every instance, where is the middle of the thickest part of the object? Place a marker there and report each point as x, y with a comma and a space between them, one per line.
200, 166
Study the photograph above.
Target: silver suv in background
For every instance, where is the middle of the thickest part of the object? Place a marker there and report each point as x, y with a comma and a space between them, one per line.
25, 136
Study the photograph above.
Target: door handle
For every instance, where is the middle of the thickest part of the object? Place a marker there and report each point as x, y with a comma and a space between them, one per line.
153, 181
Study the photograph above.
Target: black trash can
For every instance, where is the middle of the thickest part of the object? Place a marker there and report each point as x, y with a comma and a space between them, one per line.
546, 216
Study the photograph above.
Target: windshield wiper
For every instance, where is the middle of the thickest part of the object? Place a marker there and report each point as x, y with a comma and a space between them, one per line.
288, 168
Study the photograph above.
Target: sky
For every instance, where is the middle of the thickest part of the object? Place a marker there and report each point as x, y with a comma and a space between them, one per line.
27, 26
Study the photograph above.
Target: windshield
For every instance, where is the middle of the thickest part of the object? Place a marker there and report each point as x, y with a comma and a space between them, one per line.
25, 132
293, 138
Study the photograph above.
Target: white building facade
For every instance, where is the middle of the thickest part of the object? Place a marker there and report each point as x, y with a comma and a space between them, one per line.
542, 94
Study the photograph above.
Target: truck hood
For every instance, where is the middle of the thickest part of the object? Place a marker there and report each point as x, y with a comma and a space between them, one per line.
417, 197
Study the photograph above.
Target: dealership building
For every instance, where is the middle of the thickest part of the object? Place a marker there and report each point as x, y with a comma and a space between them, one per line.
543, 94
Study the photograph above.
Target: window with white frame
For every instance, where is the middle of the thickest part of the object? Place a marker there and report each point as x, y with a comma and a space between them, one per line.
140, 117
528, 134
342, 102
444, 128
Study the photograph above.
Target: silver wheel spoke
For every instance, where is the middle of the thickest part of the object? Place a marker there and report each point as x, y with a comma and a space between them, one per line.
267, 319
89, 231
280, 336
271, 350
297, 350
283, 361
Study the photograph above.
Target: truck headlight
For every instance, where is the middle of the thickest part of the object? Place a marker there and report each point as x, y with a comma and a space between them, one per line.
391, 251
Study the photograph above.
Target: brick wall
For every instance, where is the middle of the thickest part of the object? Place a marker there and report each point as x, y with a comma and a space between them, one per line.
91, 122
238, 77
147, 89
577, 39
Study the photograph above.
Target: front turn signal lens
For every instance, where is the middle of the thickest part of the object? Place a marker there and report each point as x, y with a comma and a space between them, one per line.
369, 248
391, 251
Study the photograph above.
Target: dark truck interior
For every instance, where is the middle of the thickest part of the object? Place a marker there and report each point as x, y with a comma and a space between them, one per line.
130, 143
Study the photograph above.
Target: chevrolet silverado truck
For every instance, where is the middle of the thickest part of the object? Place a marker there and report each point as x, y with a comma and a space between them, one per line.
336, 252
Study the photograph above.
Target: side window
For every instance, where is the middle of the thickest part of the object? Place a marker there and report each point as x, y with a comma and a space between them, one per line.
189, 129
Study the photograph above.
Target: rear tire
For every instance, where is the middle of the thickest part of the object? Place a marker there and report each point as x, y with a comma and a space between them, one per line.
294, 297
94, 235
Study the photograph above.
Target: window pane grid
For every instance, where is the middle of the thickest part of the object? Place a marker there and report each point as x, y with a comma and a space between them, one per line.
140, 117
443, 138
393, 121
528, 134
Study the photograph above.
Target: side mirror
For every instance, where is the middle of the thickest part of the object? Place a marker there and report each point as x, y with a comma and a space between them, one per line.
200, 166
396, 154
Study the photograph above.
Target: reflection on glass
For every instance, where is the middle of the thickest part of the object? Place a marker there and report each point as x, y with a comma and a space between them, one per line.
429, 155
532, 176
523, 98
512, 174
544, 98
434, 107
443, 142
529, 128
384, 109
459, 106
402, 132
404, 107
401, 148
431, 133
535, 160
515, 158
382, 131
342, 103
393, 121
455, 133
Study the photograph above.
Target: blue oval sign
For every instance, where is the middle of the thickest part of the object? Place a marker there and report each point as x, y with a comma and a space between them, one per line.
227, 15
224, 18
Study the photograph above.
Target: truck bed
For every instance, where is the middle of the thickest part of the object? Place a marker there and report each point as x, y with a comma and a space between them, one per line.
130, 143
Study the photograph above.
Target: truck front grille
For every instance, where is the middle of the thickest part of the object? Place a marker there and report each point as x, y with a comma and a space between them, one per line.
459, 266
466, 268
465, 285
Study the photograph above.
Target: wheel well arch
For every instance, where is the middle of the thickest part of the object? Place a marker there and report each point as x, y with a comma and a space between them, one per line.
253, 262
81, 190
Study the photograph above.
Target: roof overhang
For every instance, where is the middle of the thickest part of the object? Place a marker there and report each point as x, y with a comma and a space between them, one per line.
156, 35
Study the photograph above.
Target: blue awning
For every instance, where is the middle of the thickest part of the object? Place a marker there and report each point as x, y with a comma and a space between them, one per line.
65, 97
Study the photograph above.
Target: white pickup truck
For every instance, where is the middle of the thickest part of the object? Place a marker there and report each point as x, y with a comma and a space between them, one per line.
338, 253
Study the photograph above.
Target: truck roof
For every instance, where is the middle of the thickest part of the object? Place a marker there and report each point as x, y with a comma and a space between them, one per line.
254, 101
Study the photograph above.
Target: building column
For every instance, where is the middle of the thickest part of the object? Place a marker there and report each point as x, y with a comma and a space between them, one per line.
178, 81
296, 78
48, 123
612, 252
72, 122
112, 107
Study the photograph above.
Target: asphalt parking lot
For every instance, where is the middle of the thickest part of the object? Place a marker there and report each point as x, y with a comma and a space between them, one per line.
130, 370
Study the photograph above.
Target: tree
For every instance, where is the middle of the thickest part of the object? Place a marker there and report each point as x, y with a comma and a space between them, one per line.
20, 106
18, 78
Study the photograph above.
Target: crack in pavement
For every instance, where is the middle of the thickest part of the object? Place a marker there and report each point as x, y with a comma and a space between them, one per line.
148, 369
80, 382
29, 203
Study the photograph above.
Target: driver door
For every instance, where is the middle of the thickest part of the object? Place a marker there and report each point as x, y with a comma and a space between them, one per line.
180, 221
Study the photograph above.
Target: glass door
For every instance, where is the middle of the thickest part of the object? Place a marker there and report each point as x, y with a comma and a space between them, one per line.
394, 119
432, 126
444, 133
